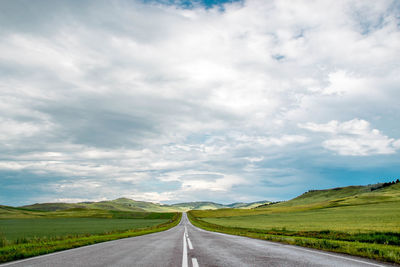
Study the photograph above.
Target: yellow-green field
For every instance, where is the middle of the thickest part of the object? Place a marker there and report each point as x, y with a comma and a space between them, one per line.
25, 229
381, 217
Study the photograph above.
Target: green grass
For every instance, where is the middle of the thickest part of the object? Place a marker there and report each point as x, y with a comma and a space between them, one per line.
16, 229
25, 232
382, 217
18, 224
28, 247
11, 212
352, 220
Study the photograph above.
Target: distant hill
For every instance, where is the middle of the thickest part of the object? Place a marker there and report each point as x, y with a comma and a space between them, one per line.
53, 206
313, 199
320, 199
316, 196
120, 204
242, 205
6, 212
198, 206
350, 195
126, 204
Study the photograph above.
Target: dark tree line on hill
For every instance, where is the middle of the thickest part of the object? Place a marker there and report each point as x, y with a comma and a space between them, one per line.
379, 186
267, 204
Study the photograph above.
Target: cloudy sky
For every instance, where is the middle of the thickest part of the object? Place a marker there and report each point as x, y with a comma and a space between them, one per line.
172, 101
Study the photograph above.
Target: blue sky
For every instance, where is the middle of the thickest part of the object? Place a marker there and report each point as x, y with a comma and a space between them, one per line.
188, 4
173, 101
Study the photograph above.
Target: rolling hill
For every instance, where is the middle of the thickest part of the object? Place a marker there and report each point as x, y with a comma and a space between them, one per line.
129, 205
320, 199
242, 205
343, 196
313, 199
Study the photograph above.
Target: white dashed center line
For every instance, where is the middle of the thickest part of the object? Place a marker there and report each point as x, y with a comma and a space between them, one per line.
194, 262
184, 255
189, 243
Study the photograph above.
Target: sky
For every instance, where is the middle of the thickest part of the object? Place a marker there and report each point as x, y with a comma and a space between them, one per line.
172, 101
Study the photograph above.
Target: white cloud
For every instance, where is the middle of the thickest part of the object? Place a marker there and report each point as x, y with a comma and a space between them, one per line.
13, 128
343, 83
152, 196
284, 140
192, 180
354, 138
74, 200
220, 184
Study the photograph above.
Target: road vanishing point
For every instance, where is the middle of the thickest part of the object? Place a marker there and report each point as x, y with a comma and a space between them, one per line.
186, 245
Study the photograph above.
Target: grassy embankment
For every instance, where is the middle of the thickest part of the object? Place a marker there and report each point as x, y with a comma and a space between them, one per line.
26, 233
357, 220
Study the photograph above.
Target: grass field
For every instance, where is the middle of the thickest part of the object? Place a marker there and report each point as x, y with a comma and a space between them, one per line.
13, 213
18, 229
25, 233
379, 217
357, 220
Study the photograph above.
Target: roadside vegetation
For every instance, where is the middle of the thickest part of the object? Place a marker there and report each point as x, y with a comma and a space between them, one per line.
26, 233
356, 220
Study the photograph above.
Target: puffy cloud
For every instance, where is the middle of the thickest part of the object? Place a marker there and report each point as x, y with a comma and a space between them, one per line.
354, 138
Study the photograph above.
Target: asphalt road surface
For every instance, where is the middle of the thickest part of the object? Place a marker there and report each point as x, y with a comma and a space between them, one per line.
186, 245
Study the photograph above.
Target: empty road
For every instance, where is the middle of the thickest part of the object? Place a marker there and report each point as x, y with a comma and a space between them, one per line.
186, 245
